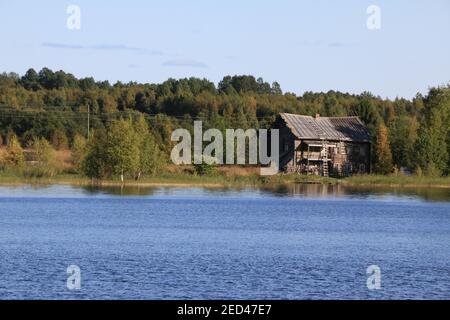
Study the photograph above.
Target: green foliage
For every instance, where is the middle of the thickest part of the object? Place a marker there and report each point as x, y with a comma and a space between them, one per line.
122, 149
150, 157
367, 111
403, 138
433, 147
79, 148
383, 155
128, 150
52, 105
44, 157
43, 152
204, 169
95, 161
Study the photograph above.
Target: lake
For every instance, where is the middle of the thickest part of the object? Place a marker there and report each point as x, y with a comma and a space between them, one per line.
289, 242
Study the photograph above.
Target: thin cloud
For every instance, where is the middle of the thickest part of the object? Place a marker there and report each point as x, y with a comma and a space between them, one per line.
104, 47
61, 45
320, 43
115, 47
184, 63
338, 44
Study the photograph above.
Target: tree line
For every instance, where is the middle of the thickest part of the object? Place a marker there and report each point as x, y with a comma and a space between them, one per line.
412, 134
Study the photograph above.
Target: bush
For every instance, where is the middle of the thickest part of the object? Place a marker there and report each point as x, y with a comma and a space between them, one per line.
14, 153
44, 156
207, 167
204, 169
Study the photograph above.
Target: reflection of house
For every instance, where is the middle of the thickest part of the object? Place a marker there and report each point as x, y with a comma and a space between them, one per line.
339, 146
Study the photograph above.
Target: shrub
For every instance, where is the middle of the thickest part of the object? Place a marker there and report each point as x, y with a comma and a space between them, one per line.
44, 156
207, 167
14, 153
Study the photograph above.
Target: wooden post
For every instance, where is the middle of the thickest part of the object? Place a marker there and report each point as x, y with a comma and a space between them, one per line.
307, 166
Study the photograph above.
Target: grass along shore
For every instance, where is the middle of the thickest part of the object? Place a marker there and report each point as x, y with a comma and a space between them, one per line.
227, 179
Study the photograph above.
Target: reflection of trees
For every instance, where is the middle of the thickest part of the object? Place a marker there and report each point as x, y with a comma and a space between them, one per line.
424, 193
120, 190
308, 190
283, 190
336, 191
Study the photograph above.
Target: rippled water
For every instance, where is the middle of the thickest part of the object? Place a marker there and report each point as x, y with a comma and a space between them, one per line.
300, 242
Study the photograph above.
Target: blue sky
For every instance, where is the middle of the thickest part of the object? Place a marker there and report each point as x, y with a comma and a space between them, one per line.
304, 45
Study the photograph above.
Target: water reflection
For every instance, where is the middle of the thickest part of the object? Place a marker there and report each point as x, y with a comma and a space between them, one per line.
119, 190
340, 191
424, 193
316, 191
307, 190
285, 190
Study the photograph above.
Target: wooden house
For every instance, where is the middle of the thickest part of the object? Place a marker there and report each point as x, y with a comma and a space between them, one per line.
336, 146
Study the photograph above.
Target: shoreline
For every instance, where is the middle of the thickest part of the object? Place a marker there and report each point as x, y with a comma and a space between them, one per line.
234, 182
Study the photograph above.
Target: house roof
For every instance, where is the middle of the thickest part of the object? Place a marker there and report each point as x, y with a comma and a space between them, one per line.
325, 128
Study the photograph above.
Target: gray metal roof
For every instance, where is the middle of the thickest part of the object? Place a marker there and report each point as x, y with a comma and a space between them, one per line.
336, 128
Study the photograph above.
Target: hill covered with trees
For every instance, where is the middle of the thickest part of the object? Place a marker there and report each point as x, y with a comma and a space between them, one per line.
54, 106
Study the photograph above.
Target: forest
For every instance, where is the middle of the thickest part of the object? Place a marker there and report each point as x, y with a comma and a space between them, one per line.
130, 123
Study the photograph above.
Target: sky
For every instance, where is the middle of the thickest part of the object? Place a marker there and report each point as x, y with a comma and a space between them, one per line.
304, 45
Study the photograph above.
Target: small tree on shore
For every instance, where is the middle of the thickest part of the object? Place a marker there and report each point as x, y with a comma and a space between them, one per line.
79, 149
150, 157
44, 155
94, 164
14, 152
127, 149
122, 151
383, 155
